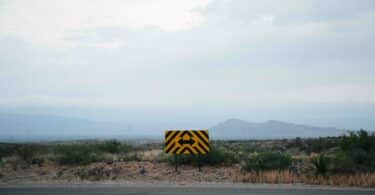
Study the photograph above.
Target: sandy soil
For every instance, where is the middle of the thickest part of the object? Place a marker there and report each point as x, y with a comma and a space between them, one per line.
125, 171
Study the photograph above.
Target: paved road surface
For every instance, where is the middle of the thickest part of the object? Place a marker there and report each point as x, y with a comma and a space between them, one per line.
82, 190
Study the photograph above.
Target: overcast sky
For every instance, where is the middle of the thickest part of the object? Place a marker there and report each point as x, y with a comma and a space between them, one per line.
303, 61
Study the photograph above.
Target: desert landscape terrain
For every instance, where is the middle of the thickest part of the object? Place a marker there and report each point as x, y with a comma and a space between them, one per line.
338, 161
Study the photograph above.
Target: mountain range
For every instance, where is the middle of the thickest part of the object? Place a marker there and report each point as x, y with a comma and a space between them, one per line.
240, 129
25, 127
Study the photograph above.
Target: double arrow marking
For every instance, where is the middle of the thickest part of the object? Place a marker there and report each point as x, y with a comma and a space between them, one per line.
187, 142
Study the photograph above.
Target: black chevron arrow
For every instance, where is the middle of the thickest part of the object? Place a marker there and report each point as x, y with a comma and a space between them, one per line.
190, 141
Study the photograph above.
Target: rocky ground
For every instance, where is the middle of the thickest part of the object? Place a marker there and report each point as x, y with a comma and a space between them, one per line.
126, 171
155, 172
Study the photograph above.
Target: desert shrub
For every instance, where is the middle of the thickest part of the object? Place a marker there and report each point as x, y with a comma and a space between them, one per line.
320, 165
359, 139
267, 161
359, 148
79, 154
26, 152
87, 152
314, 145
342, 163
318, 145
113, 146
134, 156
215, 156
7, 150
253, 163
231, 158
296, 143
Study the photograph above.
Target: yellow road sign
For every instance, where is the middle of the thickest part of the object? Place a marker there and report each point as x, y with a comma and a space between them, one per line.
187, 142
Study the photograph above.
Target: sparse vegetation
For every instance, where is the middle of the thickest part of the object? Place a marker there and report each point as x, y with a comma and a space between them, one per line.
79, 155
114, 147
267, 161
26, 152
6, 150
214, 157
358, 152
85, 153
346, 160
279, 177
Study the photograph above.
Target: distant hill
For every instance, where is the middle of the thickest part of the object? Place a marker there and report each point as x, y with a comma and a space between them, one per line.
240, 129
47, 127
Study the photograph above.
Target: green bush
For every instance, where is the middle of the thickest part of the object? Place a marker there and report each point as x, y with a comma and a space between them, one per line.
113, 146
318, 145
79, 154
359, 148
342, 163
359, 139
26, 152
7, 150
267, 161
231, 158
253, 163
214, 157
87, 152
320, 165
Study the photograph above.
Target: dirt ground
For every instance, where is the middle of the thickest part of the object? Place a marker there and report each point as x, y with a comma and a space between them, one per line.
127, 171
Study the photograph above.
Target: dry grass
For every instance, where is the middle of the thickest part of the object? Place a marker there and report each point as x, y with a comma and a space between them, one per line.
273, 177
285, 177
360, 179
130, 170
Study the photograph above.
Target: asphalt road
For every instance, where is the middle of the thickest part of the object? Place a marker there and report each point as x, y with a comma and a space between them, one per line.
178, 191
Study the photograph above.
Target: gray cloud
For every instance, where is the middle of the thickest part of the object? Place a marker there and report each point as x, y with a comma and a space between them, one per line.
245, 55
